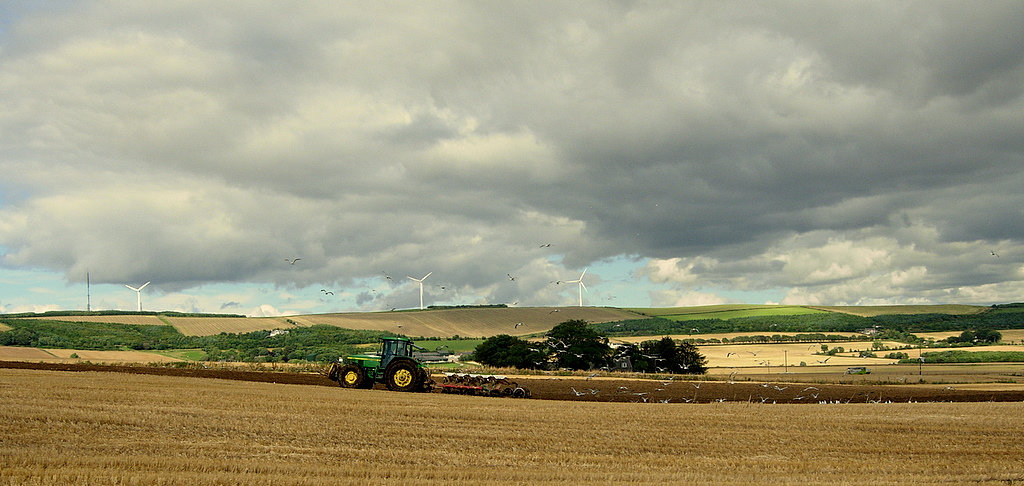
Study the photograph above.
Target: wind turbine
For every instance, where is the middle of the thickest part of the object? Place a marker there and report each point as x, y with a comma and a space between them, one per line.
420, 280
582, 287
138, 291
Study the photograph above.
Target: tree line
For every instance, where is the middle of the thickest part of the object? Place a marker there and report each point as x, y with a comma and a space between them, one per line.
1000, 316
318, 343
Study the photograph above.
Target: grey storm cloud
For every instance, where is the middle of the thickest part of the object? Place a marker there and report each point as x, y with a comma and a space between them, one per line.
850, 153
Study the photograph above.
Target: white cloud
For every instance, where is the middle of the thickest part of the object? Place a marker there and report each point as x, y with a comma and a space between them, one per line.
667, 298
267, 310
196, 144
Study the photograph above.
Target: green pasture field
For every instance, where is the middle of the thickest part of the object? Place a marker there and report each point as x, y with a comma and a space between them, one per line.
725, 311
878, 310
453, 345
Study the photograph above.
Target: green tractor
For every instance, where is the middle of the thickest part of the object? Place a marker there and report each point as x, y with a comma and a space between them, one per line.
393, 365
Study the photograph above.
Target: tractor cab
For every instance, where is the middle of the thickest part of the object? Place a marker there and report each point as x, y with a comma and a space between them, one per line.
391, 348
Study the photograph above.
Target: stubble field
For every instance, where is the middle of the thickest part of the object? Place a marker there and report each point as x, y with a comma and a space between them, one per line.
114, 428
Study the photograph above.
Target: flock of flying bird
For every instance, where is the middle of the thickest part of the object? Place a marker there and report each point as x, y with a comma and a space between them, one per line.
774, 393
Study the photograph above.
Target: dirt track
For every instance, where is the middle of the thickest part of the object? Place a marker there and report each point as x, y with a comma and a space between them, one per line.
618, 390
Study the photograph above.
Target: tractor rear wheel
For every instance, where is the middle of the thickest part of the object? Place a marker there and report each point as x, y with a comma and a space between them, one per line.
352, 376
403, 375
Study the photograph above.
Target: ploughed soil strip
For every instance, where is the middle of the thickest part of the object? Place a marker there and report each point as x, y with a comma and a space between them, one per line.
614, 390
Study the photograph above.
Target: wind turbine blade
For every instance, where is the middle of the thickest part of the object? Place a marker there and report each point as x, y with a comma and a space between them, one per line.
582, 274
584, 286
144, 285
413, 279
133, 288
425, 276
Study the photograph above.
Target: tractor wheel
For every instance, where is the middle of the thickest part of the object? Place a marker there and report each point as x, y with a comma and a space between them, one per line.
403, 375
352, 376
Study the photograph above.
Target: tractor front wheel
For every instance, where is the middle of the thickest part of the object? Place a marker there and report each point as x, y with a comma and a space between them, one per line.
403, 376
352, 376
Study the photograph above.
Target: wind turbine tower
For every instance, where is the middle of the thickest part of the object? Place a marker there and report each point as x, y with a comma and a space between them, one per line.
138, 291
582, 287
420, 280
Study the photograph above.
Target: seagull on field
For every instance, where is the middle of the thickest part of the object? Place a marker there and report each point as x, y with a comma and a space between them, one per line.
517, 325
824, 360
578, 393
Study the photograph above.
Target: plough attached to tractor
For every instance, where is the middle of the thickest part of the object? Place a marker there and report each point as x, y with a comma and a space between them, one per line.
489, 385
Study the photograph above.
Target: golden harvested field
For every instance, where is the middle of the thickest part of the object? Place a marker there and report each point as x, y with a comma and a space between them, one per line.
147, 320
105, 428
474, 322
208, 326
732, 355
17, 353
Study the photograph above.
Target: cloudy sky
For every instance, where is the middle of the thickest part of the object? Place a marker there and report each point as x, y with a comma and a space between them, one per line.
683, 153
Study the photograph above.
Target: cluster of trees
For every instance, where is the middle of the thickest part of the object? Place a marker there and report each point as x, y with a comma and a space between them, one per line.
985, 336
957, 356
320, 343
814, 337
576, 345
666, 356
805, 323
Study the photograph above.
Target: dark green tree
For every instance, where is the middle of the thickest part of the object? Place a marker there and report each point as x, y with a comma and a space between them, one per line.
509, 351
988, 336
578, 346
666, 356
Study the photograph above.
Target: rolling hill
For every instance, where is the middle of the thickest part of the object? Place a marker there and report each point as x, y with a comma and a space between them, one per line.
491, 321
471, 322
465, 322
